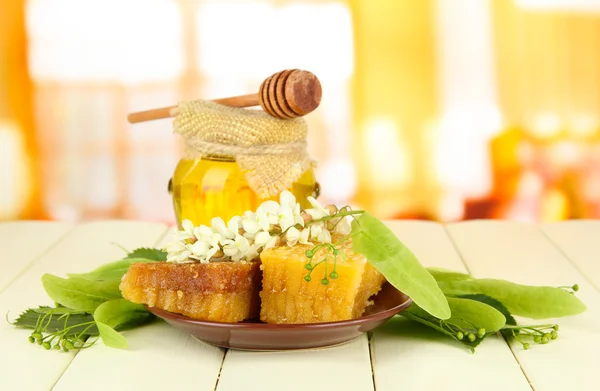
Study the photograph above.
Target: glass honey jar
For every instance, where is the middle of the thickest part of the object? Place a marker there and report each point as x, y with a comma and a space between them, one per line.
214, 186
235, 159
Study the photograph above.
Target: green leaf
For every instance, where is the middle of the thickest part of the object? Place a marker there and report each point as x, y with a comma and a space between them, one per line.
494, 303
56, 320
535, 302
111, 271
472, 314
111, 337
78, 293
152, 254
121, 314
398, 264
447, 275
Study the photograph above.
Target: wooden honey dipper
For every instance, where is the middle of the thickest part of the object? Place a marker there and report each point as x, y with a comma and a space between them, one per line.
287, 94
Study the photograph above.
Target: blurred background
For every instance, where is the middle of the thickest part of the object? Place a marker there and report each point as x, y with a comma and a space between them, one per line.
432, 109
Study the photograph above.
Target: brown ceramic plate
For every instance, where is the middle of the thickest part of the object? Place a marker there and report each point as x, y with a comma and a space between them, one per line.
255, 335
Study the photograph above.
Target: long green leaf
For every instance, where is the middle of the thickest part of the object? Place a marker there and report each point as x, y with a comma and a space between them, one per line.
78, 293
510, 320
110, 337
470, 314
535, 302
111, 271
398, 264
121, 314
152, 254
443, 275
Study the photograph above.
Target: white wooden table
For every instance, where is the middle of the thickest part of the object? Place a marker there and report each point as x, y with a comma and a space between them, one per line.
408, 358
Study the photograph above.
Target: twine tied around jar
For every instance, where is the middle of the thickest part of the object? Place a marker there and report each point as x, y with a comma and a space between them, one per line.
271, 152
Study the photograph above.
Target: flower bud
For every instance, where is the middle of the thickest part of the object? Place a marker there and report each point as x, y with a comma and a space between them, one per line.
481, 332
332, 209
306, 217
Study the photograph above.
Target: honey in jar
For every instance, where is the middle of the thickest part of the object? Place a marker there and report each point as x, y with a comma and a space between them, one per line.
215, 186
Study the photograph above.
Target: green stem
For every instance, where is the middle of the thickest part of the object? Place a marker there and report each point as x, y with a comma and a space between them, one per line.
346, 238
335, 216
541, 326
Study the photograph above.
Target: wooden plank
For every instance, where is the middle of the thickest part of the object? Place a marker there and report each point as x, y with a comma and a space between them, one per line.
159, 357
579, 240
24, 242
522, 253
28, 367
344, 367
408, 356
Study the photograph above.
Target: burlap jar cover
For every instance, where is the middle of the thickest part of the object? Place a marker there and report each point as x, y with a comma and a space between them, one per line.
271, 152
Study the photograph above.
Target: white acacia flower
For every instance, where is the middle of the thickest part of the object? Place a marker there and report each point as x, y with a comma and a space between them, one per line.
199, 250
304, 236
288, 203
285, 217
207, 234
265, 240
212, 252
319, 233
263, 221
298, 219
270, 209
343, 226
236, 249
324, 236
292, 236
252, 252
286, 198
234, 224
178, 252
187, 232
218, 225
253, 224
202, 231
317, 211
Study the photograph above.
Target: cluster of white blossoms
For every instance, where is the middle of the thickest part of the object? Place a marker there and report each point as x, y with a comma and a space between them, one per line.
244, 237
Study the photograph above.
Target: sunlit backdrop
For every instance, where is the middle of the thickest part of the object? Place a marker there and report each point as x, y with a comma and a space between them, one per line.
432, 109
